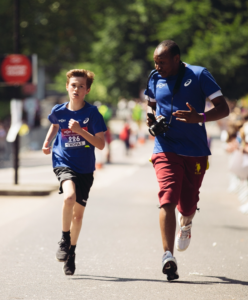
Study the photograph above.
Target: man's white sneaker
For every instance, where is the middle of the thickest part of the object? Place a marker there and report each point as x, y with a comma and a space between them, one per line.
169, 266
183, 236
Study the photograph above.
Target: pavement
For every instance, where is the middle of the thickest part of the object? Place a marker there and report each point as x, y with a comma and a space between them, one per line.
119, 251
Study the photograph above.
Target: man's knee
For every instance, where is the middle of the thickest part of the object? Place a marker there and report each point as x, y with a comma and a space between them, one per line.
168, 207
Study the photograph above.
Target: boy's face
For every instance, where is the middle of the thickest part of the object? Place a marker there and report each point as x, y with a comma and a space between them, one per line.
77, 88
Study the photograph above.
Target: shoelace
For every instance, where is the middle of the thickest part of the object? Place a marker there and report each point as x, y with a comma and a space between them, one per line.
166, 255
70, 260
63, 244
184, 234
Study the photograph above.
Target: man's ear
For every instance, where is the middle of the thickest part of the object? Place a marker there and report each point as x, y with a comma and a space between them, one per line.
176, 58
66, 86
88, 91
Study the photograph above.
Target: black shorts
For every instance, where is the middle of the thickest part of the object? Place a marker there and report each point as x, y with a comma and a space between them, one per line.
83, 182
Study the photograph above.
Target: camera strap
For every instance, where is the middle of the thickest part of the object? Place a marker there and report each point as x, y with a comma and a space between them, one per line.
181, 73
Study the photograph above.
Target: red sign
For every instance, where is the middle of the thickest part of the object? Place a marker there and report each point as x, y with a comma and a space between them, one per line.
16, 69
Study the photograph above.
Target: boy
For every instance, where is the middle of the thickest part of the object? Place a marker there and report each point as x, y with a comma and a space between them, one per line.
79, 128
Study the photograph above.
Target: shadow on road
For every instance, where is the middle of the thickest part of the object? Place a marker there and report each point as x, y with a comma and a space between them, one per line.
235, 228
224, 280
114, 279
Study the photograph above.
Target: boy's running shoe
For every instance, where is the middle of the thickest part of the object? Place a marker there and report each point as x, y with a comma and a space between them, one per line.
63, 250
69, 266
169, 266
183, 236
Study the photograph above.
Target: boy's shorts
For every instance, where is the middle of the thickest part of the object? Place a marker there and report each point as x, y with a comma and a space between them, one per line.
83, 182
179, 178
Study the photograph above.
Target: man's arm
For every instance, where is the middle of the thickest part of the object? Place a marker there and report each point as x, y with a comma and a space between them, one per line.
97, 140
53, 130
220, 110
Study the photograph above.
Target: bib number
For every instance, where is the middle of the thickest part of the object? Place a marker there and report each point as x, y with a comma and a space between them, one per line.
71, 139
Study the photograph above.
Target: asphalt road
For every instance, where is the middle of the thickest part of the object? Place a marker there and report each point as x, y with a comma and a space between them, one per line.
119, 252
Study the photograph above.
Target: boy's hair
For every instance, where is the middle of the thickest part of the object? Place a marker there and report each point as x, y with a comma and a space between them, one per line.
81, 73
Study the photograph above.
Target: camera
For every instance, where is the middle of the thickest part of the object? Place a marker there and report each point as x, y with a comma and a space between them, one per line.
159, 125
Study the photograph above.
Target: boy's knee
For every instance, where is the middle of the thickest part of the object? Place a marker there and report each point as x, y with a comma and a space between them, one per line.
70, 200
77, 218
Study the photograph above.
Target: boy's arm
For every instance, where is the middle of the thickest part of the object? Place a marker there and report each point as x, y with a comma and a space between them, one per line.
97, 140
53, 130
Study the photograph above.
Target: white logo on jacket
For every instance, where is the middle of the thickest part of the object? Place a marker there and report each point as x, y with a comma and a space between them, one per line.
86, 120
62, 120
188, 82
160, 85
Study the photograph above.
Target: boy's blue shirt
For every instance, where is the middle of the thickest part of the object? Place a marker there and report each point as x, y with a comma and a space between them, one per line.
182, 138
71, 149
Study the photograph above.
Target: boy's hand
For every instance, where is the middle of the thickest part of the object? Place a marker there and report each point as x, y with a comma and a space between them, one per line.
46, 149
75, 126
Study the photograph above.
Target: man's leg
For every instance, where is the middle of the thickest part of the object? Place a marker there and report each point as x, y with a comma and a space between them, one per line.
186, 220
195, 168
169, 171
167, 220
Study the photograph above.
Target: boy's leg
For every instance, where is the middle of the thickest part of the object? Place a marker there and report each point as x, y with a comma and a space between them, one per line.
69, 190
76, 222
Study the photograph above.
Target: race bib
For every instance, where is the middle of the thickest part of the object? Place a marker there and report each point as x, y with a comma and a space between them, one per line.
71, 139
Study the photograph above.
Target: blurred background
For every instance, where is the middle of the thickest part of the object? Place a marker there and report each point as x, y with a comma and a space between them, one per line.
116, 40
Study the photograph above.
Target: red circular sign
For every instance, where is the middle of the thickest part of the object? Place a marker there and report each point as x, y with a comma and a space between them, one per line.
16, 69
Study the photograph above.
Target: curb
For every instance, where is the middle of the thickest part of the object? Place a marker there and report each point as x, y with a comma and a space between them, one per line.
26, 190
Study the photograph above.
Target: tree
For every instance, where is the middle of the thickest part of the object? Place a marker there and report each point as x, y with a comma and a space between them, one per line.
116, 39
213, 34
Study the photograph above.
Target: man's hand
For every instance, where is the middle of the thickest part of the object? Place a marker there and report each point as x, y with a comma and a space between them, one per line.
46, 149
75, 126
190, 116
149, 121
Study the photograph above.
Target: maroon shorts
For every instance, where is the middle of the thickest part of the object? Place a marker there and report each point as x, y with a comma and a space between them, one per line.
179, 179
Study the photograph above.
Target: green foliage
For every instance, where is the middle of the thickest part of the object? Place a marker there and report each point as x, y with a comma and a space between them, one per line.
4, 109
116, 39
213, 34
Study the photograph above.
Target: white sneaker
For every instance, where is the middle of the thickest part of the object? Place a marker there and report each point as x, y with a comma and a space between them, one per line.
183, 236
169, 266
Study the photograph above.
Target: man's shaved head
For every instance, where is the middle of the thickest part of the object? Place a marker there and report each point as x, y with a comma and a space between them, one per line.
171, 46
167, 58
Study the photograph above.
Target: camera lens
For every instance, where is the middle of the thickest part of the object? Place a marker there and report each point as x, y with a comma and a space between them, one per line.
151, 131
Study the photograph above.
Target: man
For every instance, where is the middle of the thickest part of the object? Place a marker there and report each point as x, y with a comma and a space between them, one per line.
178, 91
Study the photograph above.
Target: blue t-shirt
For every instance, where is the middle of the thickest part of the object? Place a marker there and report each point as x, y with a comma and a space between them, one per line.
71, 149
182, 138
